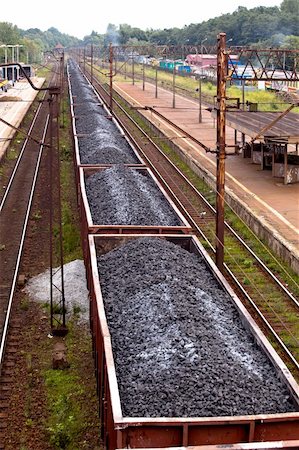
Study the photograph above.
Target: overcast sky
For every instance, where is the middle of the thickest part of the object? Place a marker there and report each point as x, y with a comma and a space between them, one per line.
80, 18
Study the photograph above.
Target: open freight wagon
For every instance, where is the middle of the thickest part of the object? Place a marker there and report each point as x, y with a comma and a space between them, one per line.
121, 428
146, 202
275, 445
88, 136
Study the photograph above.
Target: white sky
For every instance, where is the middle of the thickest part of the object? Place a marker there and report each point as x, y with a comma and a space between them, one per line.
80, 18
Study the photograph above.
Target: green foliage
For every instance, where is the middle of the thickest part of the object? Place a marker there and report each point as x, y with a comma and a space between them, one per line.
69, 397
65, 422
290, 6
34, 41
37, 215
9, 33
244, 26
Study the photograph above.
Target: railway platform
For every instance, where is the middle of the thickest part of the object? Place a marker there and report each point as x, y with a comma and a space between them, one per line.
14, 105
273, 206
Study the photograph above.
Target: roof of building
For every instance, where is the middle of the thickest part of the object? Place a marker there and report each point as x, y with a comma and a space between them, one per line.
251, 123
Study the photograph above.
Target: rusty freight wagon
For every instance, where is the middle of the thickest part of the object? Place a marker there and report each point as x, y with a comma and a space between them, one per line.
179, 361
98, 137
127, 200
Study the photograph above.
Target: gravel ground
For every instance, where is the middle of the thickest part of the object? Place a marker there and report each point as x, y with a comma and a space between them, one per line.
103, 143
121, 195
179, 346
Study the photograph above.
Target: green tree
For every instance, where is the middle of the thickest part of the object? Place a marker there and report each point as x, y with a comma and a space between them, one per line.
290, 6
9, 33
31, 50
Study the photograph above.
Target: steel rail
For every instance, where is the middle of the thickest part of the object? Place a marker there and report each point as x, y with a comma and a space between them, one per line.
240, 240
12, 289
20, 157
263, 318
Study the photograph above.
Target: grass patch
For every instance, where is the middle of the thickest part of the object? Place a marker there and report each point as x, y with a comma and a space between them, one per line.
68, 398
267, 100
65, 421
37, 215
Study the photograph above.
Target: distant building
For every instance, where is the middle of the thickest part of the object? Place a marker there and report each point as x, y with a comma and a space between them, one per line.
59, 49
204, 60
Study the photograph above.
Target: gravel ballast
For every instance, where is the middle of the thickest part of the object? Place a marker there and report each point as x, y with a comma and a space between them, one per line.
180, 348
122, 195
100, 141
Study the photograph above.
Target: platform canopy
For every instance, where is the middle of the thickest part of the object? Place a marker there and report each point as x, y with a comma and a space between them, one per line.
286, 130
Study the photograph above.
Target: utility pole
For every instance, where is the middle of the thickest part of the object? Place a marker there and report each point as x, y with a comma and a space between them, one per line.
173, 85
84, 57
199, 101
143, 76
200, 81
156, 83
133, 70
221, 119
91, 67
111, 77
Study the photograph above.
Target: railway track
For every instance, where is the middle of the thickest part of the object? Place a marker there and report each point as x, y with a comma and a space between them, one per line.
15, 209
268, 299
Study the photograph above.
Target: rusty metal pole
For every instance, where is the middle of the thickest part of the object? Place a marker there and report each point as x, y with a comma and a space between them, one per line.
133, 70
91, 64
111, 77
143, 76
84, 57
156, 83
62, 328
51, 118
199, 101
221, 119
59, 328
173, 86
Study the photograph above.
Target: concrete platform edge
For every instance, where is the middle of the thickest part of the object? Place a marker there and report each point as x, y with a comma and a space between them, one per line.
18, 122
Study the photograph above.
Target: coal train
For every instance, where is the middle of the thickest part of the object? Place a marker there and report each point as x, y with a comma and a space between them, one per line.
179, 361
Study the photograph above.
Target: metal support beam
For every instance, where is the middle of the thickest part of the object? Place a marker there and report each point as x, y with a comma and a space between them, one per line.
274, 121
110, 77
91, 64
133, 70
285, 165
57, 310
199, 101
221, 117
173, 85
84, 60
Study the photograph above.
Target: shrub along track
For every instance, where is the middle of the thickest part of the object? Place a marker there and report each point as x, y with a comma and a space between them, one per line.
269, 300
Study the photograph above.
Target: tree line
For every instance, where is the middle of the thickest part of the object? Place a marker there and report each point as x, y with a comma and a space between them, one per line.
260, 27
